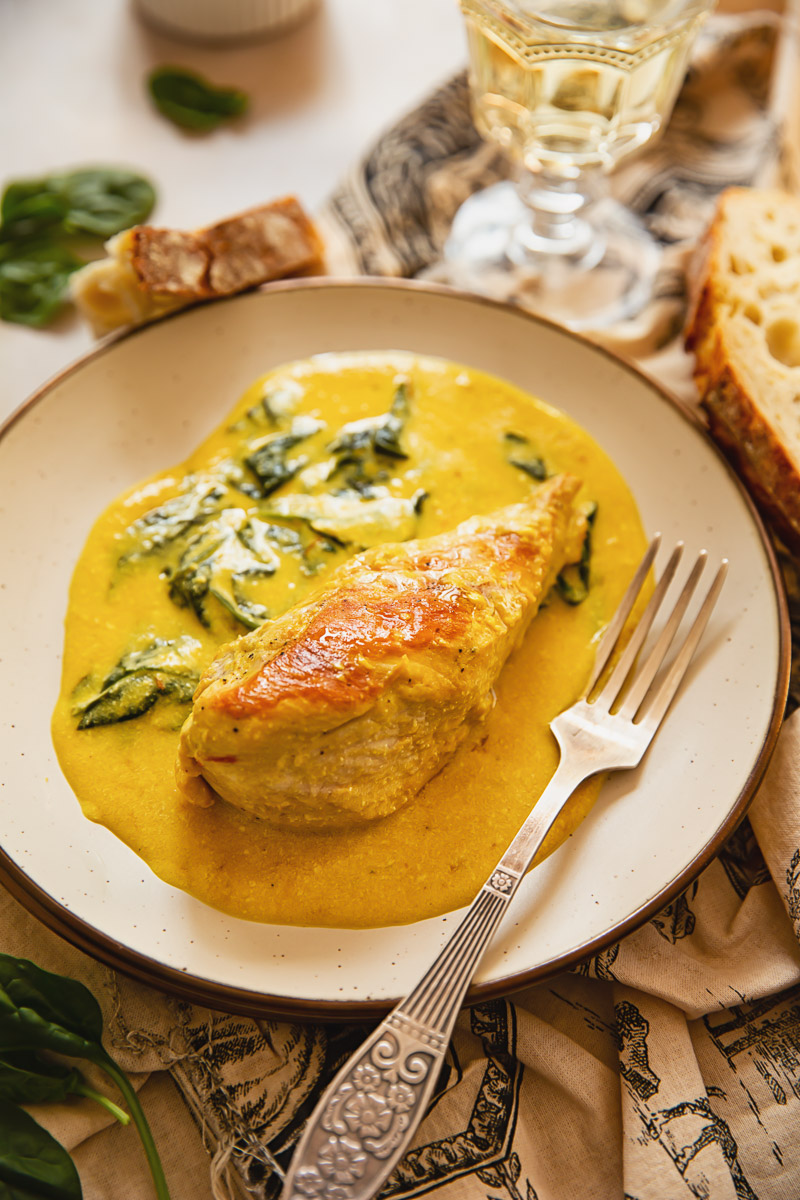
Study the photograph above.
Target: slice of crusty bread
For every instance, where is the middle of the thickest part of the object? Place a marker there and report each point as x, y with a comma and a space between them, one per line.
744, 331
149, 271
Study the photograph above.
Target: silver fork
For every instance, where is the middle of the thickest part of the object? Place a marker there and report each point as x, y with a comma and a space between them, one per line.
368, 1114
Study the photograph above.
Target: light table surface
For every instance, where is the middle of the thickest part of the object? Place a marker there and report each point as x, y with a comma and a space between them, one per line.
73, 83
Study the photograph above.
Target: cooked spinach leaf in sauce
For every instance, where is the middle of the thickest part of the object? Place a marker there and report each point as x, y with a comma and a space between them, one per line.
292, 496
522, 456
269, 459
365, 452
161, 670
174, 518
352, 519
219, 563
275, 404
573, 582
375, 435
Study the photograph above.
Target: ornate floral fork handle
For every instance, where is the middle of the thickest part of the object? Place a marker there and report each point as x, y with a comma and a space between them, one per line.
368, 1114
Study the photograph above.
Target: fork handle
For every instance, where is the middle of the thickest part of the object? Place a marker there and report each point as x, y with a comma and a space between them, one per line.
369, 1112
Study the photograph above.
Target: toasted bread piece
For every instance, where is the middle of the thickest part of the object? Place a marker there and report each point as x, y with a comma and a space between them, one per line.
149, 271
169, 262
744, 331
269, 242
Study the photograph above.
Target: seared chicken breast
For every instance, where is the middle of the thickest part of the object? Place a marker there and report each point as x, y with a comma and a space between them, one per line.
340, 710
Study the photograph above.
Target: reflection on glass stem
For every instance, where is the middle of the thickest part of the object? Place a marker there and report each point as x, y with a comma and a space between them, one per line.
567, 90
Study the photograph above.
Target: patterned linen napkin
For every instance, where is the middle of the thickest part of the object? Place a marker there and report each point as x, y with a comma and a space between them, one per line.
669, 1064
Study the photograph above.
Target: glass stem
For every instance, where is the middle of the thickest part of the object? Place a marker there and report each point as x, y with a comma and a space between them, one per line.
558, 224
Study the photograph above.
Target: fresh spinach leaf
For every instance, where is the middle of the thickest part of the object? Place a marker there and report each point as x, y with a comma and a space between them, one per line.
102, 201
28, 992
32, 1162
98, 201
39, 221
28, 1078
191, 101
34, 276
27, 209
41, 1011
25, 1078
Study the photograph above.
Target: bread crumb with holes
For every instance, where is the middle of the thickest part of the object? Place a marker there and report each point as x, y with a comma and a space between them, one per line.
744, 332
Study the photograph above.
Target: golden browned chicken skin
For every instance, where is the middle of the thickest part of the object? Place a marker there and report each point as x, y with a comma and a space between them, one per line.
341, 709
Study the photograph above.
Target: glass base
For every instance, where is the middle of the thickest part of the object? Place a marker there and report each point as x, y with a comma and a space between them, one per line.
584, 282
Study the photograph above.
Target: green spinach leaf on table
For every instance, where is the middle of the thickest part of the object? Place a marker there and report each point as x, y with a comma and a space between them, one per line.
98, 201
34, 276
43, 1014
44, 225
191, 101
101, 201
32, 1162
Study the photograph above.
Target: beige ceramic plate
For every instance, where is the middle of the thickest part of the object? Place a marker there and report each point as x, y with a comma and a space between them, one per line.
141, 403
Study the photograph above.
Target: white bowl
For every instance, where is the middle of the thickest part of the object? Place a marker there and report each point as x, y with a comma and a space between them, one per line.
224, 20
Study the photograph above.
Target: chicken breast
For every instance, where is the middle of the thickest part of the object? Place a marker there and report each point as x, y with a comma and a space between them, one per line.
340, 710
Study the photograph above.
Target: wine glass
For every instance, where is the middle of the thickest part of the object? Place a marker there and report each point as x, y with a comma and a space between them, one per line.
567, 88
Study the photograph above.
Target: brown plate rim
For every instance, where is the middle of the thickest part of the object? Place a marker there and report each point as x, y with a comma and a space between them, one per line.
232, 999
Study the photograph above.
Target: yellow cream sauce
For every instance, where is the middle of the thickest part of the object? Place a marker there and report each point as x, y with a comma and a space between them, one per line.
433, 854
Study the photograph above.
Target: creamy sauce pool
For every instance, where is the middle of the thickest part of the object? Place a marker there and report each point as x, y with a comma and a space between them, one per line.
462, 431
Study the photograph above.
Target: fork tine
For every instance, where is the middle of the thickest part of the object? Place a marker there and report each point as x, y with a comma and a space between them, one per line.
617, 622
611, 689
663, 697
649, 669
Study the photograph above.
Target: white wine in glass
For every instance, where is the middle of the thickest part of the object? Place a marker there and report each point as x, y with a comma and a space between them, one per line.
567, 88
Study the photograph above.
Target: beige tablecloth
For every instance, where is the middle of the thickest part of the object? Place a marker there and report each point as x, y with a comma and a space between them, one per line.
666, 1066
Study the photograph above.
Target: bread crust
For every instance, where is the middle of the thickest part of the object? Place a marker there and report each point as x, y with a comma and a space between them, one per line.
148, 271
757, 455
254, 247
742, 287
170, 262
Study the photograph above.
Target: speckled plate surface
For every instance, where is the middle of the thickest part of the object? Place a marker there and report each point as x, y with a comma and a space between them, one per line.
141, 402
